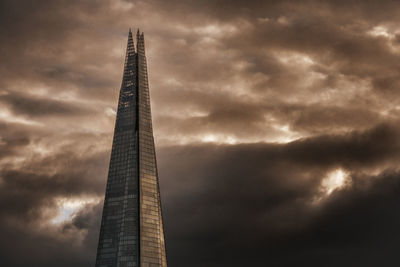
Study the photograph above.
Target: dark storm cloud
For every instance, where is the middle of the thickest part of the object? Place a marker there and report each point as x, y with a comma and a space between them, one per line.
40, 106
247, 119
31, 196
74, 176
46, 45
10, 145
285, 92
43, 247
257, 201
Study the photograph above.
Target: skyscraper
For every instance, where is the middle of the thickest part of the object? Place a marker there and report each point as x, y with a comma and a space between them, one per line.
131, 231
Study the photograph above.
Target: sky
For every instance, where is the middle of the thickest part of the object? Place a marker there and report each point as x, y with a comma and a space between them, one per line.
276, 126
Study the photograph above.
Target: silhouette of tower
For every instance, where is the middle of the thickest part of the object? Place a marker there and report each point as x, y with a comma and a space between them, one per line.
131, 231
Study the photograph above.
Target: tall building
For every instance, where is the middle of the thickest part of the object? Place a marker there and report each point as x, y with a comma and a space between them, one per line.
131, 231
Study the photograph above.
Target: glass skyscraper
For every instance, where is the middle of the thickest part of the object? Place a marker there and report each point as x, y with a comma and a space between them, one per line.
131, 231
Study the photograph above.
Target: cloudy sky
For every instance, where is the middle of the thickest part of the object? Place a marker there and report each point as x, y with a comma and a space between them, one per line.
276, 127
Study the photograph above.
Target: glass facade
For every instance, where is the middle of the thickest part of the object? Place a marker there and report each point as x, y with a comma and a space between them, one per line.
131, 231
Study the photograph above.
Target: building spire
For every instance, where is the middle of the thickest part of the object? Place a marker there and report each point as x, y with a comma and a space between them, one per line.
131, 46
130, 49
132, 231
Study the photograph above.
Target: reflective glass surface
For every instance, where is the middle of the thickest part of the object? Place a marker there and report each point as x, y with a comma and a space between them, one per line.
131, 231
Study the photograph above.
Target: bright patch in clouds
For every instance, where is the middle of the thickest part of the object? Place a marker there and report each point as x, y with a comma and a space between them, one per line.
7, 116
67, 208
381, 31
336, 179
216, 30
294, 58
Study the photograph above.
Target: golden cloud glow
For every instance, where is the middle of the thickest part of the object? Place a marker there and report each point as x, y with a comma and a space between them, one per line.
68, 208
335, 180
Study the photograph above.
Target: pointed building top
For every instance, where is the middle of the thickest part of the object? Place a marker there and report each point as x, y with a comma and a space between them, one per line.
130, 49
132, 195
138, 36
130, 36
